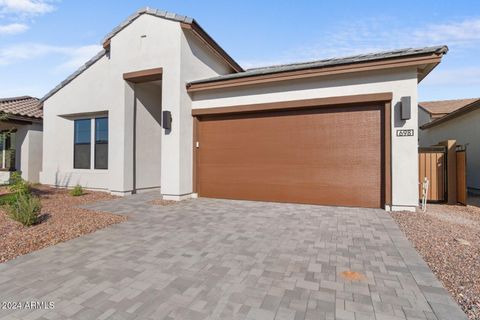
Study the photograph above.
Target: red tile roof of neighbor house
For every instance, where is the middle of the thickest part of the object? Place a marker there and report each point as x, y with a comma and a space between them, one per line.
441, 108
24, 106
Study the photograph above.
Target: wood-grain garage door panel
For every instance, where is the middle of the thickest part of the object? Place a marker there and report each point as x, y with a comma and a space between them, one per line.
327, 156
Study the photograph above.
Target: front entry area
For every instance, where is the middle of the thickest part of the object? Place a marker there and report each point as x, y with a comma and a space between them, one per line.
331, 155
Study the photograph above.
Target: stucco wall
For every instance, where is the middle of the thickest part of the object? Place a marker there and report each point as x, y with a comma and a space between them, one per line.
28, 154
31, 159
197, 62
149, 42
466, 130
423, 117
401, 82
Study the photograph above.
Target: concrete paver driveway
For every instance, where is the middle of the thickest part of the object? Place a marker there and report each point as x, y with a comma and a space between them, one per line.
220, 259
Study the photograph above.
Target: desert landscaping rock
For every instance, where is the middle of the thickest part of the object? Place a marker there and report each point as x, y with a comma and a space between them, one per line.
448, 238
61, 220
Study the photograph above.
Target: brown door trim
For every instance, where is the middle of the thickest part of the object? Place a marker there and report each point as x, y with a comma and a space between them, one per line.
195, 158
144, 75
387, 146
386, 141
296, 104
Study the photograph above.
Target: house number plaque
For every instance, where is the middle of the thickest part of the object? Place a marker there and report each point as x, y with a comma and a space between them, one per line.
405, 133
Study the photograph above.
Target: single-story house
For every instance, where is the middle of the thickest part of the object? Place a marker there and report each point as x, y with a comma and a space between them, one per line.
164, 107
454, 120
20, 138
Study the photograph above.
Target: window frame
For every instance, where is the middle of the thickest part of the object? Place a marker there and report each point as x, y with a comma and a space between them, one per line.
92, 118
75, 143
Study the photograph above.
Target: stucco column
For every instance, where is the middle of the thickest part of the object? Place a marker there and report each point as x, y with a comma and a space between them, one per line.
121, 159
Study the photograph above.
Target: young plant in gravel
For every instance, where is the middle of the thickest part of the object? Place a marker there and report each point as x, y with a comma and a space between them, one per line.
77, 191
26, 209
18, 185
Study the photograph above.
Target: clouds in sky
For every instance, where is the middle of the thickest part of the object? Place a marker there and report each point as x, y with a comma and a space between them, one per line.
19, 11
26, 8
373, 35
16, 17
72, 57
13, 28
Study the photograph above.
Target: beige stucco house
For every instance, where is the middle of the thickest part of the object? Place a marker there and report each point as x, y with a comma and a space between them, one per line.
164, 107
20, 138
454, 120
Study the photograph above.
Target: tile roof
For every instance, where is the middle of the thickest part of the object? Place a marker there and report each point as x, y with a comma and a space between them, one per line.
443, 107
329, 62
24, 106
154, 12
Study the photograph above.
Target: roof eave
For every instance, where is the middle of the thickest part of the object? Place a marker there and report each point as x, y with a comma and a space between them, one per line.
423, 73
212, 44
16, 118
395, 62
424, 109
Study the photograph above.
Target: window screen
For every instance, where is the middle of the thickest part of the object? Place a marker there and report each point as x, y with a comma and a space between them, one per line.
101, 143
82, 142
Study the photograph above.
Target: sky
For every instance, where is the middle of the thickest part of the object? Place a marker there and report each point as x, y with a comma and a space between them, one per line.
43, 41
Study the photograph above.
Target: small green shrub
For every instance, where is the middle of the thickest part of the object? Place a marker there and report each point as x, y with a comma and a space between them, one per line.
77, 191
8, 199
18, 185
26, 209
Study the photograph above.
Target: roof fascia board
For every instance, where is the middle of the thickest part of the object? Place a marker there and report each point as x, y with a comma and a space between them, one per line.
21, 119
321, 71
198, 31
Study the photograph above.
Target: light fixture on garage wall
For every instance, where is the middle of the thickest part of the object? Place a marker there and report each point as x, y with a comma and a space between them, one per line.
406, 108
167, 121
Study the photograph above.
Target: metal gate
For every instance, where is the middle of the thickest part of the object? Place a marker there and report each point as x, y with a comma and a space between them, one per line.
433, 165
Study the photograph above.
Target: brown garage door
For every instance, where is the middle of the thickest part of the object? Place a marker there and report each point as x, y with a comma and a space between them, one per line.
328, 156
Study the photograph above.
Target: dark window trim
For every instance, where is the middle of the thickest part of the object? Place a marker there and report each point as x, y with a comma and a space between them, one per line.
95, 142
75, 144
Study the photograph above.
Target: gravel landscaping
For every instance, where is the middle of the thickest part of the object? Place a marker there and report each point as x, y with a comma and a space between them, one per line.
448, 238
61, 220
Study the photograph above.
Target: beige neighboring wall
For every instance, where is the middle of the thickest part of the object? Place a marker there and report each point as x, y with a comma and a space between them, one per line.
423, 117
28, 150
31, 152
401, 82
466, 130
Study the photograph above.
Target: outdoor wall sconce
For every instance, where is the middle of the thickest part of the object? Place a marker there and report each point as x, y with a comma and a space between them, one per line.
167, 120
406, 108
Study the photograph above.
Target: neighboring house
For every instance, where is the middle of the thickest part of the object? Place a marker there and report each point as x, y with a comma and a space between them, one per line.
454, 120
164, 107
20, 138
